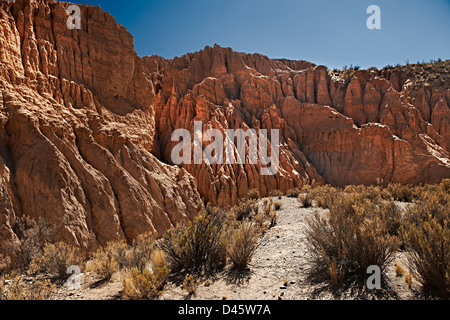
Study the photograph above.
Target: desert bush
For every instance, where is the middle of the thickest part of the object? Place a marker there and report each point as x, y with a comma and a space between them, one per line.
190, 285
390, 215
445, 185
276, 193
242, 244
140, 253
32, 234
253, 194
428, 247
324, 195
55, 259
146, 284
293, 193
305, 200
432, 204
197, 246
15, 287
347, 239
105, 262
401, 192
244, 209
273, 219
277, 205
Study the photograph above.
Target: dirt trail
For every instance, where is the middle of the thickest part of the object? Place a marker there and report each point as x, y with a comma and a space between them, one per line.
277, 271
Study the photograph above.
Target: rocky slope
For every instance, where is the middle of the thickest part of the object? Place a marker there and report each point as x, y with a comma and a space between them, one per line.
86, 125
77, 127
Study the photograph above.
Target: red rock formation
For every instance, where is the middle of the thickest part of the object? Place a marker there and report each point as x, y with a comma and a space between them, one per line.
77, 130
86, 125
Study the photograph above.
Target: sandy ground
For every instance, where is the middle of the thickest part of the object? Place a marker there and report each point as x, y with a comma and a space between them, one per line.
276, 272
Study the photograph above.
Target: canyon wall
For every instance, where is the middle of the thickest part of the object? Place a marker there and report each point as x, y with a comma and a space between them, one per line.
86, 125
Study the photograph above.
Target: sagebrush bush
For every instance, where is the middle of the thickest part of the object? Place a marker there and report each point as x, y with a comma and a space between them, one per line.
190, 284
401, 192
146, 284
276, 193
305, 200
140, 253
242, 244
277, 205
323, 195
32, 234
103, 263
254, 194
428, 248
293, 193
15, 287
55, 259
445, 185
347, 239
197, 246
244, 209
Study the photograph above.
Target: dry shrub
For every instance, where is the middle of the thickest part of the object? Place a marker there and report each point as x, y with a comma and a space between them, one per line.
277, 205
15, 287
105, 261
253, 194
428, 247
273, 219
347, 239
293, 193
140, 253
400, 192
146, 284
32, 234
445, 185
197, 246
276, 193
190, 285
391, 215
244, 209
55, 259
337, 275
242, 244
324, 195
399, 271
305, 200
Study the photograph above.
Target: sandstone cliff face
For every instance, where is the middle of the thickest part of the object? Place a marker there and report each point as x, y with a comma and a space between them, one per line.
86, 125
367, 130
77, 130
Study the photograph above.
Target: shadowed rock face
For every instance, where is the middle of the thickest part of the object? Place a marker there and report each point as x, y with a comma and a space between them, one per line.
86, 125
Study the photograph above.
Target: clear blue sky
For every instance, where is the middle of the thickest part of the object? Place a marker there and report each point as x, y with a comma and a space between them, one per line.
328, 32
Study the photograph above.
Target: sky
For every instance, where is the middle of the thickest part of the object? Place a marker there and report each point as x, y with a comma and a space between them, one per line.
327, 32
